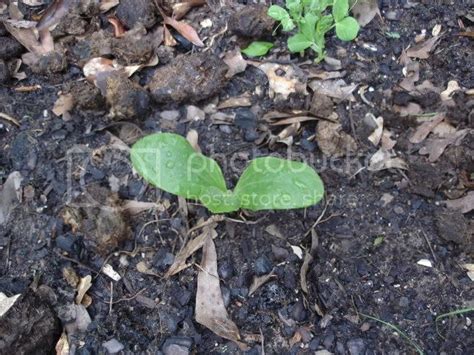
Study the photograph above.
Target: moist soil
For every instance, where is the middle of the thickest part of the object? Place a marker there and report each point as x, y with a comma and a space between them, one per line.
375, 226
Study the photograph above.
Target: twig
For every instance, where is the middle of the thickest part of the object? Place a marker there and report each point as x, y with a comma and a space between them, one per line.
77, 262
319, 219
429, 245
9, 119
111, 297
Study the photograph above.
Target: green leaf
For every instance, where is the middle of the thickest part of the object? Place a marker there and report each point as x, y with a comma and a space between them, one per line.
170, 163
308, 25
347, 29
324, 24
378, 241
277, 12
298, 43
257, 48
295, 8
340, 9
273, 183
287, 24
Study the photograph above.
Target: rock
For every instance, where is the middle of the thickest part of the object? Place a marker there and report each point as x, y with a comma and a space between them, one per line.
194, 113
251, 135
4, 72
225, 269
251, 21
10, 48
86, 96
453, 227
30, 324
189, 78
75, 318
177, 346
113, 346
262, 265
125, 98
279, 253
245, 119
356, 346
298, 311
52, 62
97, 215
171, 115
132, 12
24, 152
321, 105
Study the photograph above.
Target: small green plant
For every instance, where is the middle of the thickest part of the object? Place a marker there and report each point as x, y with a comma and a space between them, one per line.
170, 163
312, 20
257, 48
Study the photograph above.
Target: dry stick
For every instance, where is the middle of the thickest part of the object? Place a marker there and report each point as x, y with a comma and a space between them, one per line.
76, 262
318, 220
9, 119
429, 245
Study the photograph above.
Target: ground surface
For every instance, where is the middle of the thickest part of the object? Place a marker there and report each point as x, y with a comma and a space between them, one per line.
376, 227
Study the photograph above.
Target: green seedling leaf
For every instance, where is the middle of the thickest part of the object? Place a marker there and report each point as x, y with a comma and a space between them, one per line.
308, 25
273, 183
298, 43
169, 162
393, 35
340, 9
378, 241
257, 48
277, 12
347, 29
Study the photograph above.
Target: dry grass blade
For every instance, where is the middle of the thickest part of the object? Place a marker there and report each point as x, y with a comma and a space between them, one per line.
210, 309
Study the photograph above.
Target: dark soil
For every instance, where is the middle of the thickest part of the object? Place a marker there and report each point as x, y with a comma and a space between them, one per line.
351, 275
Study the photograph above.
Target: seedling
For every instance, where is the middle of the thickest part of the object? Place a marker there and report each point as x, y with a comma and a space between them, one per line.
170, 163
312, 20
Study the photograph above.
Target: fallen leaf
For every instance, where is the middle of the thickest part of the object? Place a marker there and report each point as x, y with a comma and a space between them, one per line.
84, 285
259, 281
338, 88
411, 73
236, 63
54, 13
451, 88
283, 80
285, 136
182, 8
191, 247
464, 204
422, 50
143, 268
187, 31
425, 128
385, 159
435, 147
333, 141
10, 195
6, 303
134, 207
193, 137
412, 109
108, 270
239, 101
62, 346
308, 259
387, 141
364, 11
63, 105
119, 30
210, 310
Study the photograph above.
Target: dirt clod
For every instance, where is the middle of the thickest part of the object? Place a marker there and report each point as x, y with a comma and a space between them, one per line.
251, 21
189, 79
454, 227
52, 62
4, 72
132, 12
10, 48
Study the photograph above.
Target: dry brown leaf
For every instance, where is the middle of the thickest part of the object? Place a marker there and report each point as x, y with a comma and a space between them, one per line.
143, 268
411, 71
285, 136
239, 101
338, 88
169, 40
282, 85
451, 88
313, 73
426, 128
387, 141
191, 247
259, 281
210, 310
422, 50
333, 141
236, 63
376, 122
84, 285
435, 147
26, 33
308, 259
53, 14
386, 159
187, 31
134, 207
365, 10
412, 109
464, 204
106, 5
119, 30
63, 105
182, 8
62, 346
193, 138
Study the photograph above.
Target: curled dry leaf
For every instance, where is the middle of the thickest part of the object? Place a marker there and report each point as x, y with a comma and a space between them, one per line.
308, 259
425, 128
451, 88
236, 63
238, 101
119, 30
191, 247
464, 204
63, 105
84, 285
286, 135
337, 89
10, 195
423, 50
187, 31
376, 122
386, 159
365, 10
281, 85
210, 310
193, 138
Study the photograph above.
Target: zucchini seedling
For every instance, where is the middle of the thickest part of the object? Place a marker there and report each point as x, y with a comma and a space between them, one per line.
169, 162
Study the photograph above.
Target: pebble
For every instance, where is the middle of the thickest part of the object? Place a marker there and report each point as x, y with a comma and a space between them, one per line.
356, 346
113, 346
245, 119
171, 115
250, 135
262, 265
298, 311
177, 346
194, 113
225, 269
225, 129
279, 253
